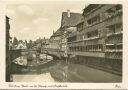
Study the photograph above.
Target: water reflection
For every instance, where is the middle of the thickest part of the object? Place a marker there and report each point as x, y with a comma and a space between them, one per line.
52, 71
46, 77
61, 71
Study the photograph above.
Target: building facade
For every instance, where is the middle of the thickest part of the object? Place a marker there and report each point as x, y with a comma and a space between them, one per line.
58, 41
54, 40
54, 44
68, 25
98, 40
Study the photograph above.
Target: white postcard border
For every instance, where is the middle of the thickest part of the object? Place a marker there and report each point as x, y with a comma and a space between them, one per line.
35, 85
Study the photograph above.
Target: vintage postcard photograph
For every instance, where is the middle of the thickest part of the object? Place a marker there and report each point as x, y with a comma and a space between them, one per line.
57, 42
65, 42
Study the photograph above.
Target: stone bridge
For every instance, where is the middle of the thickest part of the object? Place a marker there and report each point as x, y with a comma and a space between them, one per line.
17, 53
20, 52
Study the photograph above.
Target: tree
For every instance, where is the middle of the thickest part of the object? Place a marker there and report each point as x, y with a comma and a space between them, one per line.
30, 44
15, 41
30, 41
20, 41
26, 41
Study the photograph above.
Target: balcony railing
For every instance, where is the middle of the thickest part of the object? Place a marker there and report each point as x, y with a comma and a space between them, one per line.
91, 38
113, 50
110, 15
117, 33
114, 41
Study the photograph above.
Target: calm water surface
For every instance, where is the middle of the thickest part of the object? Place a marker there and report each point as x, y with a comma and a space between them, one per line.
61, 71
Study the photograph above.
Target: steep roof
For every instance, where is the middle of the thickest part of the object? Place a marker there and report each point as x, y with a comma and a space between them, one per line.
73, 20
90, 8
57, 33
66, 21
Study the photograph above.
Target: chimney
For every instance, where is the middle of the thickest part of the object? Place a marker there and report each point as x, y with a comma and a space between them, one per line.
68, 13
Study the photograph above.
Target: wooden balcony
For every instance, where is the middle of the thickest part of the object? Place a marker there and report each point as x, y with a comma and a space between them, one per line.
114, 34
114, 50
114, 19
91, 38
89, 54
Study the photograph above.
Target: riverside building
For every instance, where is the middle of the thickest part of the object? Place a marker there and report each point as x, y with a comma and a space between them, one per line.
98, 40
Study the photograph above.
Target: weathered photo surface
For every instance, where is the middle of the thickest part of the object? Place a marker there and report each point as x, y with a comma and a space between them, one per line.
68, 41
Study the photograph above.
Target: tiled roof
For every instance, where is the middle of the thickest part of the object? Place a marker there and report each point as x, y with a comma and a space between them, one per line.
73, 20
90, 7
57, 33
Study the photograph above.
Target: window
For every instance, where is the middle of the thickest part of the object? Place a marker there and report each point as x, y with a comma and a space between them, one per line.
111, 29
119, 46
111, 47
94, 20
89, 22
92, 34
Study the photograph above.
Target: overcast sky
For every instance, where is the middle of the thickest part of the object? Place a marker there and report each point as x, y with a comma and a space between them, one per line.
31, 21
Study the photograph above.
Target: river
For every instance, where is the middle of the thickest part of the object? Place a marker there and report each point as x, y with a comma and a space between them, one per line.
61, 71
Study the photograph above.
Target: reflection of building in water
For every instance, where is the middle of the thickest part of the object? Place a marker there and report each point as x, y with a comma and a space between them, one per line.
99, 37
22, 60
